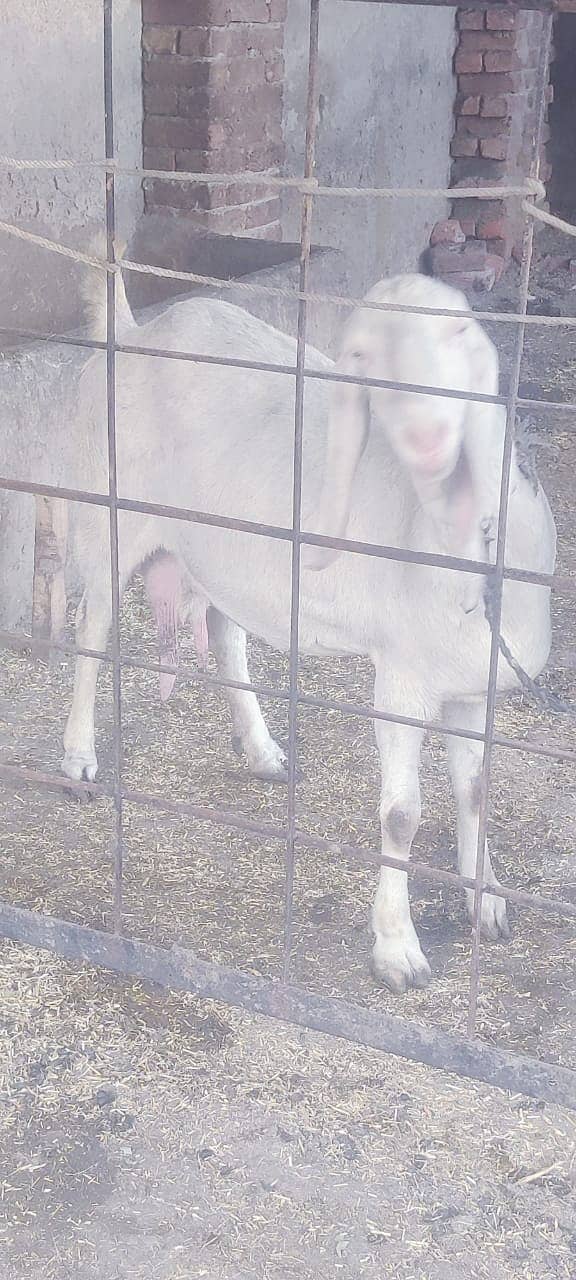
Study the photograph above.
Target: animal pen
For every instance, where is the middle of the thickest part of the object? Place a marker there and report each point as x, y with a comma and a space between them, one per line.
117, 948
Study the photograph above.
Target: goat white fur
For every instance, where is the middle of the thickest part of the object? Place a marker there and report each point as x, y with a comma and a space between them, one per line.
410, 470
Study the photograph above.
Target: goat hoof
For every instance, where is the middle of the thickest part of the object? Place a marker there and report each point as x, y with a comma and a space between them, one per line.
271, 765
399, 965
80, 768
493, 920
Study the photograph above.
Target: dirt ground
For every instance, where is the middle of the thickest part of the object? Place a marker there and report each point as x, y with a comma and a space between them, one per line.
147, 1133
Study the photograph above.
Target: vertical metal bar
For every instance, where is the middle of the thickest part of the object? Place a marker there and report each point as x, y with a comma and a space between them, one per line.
498, 580
305, 244
112, 457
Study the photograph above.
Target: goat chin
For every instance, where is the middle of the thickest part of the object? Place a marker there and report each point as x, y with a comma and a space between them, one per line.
219, 439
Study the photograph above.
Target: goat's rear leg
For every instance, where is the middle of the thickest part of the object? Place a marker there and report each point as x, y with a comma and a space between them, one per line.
266, 759
92, 626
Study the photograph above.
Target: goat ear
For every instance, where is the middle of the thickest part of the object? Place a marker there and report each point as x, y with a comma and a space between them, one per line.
484, 432
483, 358
347, 434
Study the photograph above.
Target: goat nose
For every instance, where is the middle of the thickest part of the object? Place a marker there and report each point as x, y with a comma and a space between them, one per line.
427, 439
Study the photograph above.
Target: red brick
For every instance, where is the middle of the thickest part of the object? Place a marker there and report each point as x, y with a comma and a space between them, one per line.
192, 102
176, 70
477, 171
160, 39
501, 20
222, 12
447, 232
472, 257
179, 12
501, 60
491, 229
494, 108
160, 100
165, 131
467, 106
471, 19
466, 61
481, 281
494, 148
240, 42
159, 158
476, 127
489, 83
477, 209
462, 146
176, 195
469, 227
196, 42
193, 13
485, 40
264, 105
223, 221
195, 162
231, 158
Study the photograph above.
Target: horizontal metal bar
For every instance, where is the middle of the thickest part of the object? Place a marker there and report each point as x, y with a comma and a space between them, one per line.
180, 970
542, 6
318, 375
453, 563
20, 641
20, 775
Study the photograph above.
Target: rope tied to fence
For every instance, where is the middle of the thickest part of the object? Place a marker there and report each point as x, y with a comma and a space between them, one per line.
532, 186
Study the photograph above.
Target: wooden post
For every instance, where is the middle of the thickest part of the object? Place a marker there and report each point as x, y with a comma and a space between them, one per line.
49, 588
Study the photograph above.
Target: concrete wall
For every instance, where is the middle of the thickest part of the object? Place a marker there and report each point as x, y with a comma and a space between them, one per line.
51, 94
387, 97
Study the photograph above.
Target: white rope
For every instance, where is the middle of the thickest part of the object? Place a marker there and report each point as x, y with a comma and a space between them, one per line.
294, 295
550, 219
307, 186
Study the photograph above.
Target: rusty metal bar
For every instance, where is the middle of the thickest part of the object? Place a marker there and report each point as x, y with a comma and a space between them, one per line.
112, 456
322, 375
19, 776
21, 641
181, 970
498, 580
305, 249
562, 584
542, 6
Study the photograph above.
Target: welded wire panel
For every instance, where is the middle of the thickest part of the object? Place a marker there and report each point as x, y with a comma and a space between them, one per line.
177, 968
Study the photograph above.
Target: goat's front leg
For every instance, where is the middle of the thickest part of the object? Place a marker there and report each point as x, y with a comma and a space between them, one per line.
465, 763
266, 759
398, 959
92, 626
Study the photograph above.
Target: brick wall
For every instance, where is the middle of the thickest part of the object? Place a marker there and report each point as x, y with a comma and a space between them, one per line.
496, 65
213, 73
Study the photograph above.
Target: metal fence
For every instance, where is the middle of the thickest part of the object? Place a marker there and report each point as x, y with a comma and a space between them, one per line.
177, 968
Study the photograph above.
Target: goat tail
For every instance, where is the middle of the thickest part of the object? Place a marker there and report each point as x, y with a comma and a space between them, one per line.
93, 292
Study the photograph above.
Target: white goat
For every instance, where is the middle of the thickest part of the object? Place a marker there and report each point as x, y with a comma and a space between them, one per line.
415, 471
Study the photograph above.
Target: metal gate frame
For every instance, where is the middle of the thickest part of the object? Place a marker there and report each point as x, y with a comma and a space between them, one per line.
175, 967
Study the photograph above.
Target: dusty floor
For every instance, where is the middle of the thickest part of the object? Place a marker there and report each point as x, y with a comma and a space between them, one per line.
144, 1133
